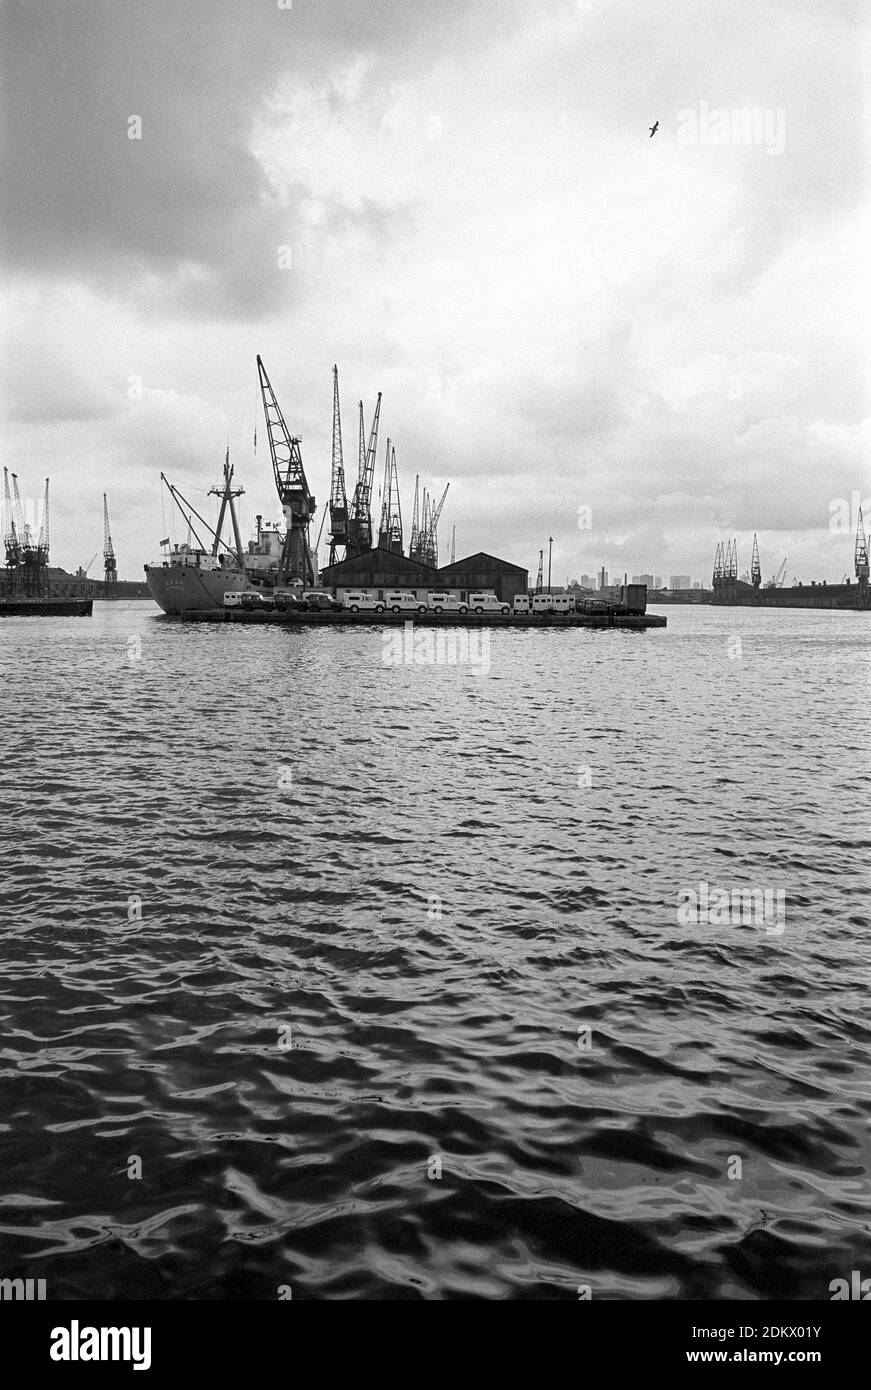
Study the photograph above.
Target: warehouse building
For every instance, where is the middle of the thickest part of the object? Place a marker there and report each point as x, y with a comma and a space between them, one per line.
480, 573
380, 570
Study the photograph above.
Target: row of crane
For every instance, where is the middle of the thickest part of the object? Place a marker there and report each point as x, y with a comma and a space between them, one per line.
27, 548
351, 525
351, 530
26, 557
726, 561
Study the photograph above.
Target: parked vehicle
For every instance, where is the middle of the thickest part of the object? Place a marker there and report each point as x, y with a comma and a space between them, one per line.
287, 598
446, 601
487, 603
358, 601
403, 601
521, 603
553, 603
320, 599
233, 598
253, 598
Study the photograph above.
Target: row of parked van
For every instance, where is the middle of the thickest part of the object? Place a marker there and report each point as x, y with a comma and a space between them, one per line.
404, 601
436, 601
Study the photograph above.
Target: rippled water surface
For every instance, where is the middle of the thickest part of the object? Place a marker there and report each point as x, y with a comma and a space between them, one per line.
379, 972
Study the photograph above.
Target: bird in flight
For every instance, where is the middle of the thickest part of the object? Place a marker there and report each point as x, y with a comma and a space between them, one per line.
653, 129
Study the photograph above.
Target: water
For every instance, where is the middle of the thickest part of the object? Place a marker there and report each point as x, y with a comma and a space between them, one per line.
300, 931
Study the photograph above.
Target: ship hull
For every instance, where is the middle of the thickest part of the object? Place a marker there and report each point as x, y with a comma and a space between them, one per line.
46, 608
187, 588
847, 596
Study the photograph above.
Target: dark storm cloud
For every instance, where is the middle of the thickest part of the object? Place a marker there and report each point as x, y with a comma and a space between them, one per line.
188, 203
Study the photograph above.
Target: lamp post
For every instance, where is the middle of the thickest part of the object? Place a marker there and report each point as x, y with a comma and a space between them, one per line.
549, 556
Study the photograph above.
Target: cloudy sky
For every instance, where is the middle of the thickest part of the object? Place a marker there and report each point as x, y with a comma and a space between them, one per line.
457, 201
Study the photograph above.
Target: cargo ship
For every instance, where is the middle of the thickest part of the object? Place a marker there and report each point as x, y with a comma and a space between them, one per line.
193, 576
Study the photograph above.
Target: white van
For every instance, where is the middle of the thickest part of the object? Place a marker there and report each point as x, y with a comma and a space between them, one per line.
403, 601
553, 603
487, 603
233, 598
446, 601
358, 601
521, 603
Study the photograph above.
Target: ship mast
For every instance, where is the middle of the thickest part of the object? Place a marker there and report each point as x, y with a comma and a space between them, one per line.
228, 494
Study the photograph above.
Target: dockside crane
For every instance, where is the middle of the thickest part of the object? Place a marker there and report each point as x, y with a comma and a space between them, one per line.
861, 559
297, 502
42, 540
423, 533
23, 528
719, 563
384, 524
539, 578
421, 551
110, 569
431, 550
414, 543
394, 541
360, 524
338, 494
27, 561
11, 538
755, 568
390, 528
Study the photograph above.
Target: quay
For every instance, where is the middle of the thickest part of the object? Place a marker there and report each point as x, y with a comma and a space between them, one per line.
633, 622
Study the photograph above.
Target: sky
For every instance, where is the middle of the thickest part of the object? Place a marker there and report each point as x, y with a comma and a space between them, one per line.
636, 345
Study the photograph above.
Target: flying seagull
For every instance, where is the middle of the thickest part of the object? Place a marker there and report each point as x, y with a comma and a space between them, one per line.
653, 129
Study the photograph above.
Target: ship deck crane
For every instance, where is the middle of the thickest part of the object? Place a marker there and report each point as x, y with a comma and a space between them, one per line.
228, 494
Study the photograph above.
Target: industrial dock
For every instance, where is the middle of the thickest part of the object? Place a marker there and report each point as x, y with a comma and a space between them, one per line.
731, 591
32, 588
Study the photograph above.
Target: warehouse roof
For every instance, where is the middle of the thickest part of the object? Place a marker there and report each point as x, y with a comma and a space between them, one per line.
481, 561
